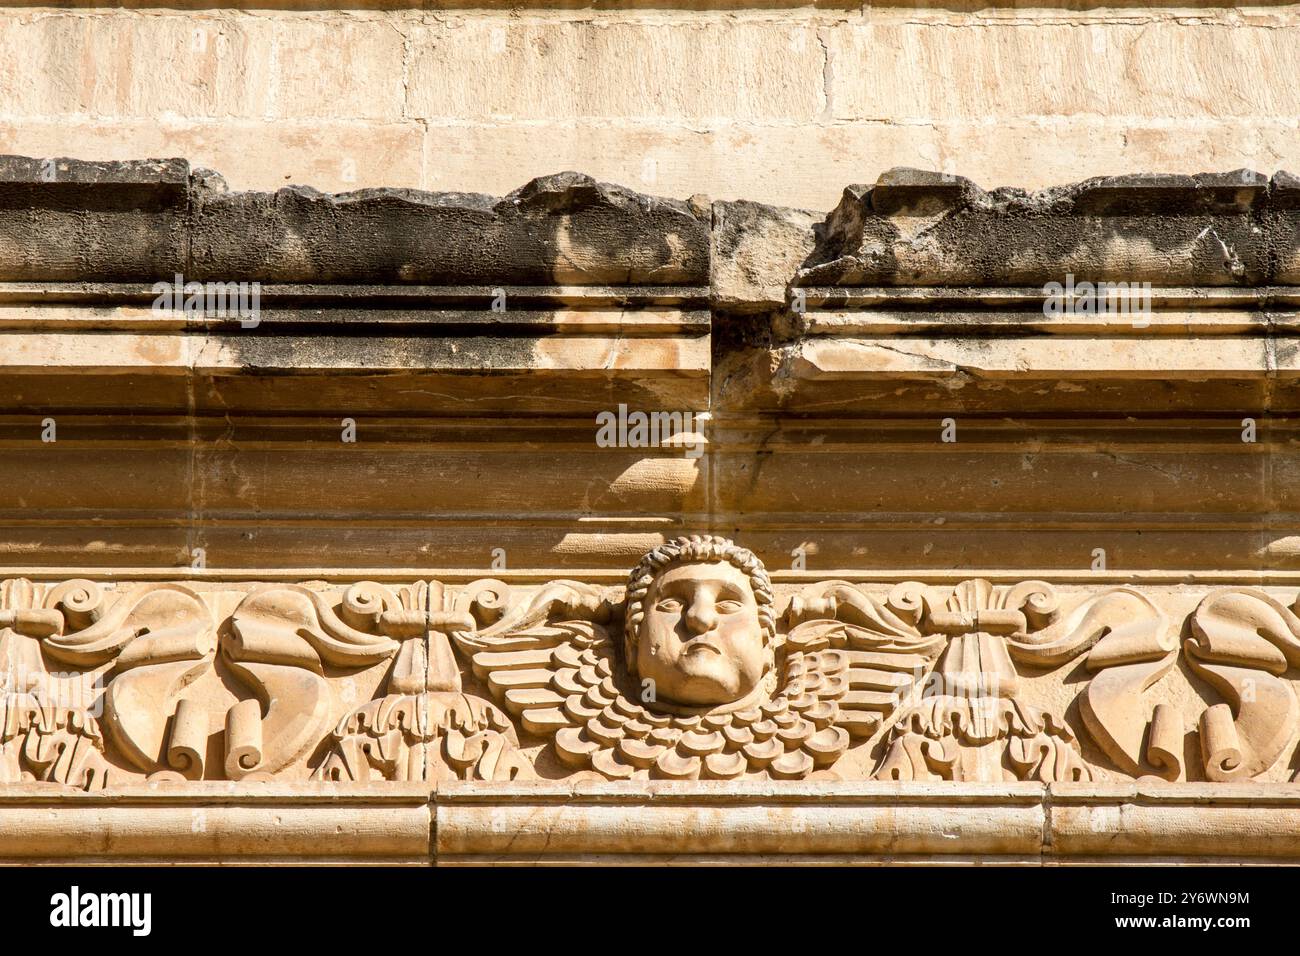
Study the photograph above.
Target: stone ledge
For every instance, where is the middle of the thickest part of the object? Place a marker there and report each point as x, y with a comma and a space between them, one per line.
923, 228
251, 823
665, 822
148, 219
866, 823
73, 220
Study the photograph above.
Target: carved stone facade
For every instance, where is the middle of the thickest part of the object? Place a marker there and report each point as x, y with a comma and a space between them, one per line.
163, 683
582, 524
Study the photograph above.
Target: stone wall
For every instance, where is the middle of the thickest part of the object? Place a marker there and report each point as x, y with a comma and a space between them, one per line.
767, 101
337, 527
395, 495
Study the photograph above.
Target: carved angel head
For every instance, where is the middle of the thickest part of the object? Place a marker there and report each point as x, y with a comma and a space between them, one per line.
700, 622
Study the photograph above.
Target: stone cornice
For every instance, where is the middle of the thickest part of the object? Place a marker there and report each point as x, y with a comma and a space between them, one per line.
70, 220
140, 221
570, 296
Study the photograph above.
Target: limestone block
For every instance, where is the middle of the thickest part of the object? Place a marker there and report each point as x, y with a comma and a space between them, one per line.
334, 155
563, 69
68, 220
937, 70
199, 66
1191, 823
669, 822
337, 68
257, 823
895, 232
756, 250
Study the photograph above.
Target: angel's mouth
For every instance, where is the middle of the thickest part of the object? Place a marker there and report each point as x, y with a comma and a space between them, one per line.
698, 645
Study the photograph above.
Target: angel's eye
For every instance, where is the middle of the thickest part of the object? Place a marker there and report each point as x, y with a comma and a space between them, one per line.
669, 604
729, 607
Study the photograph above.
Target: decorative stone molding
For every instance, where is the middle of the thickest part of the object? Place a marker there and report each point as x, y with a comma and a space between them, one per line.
657, 822
939, 565
837, 681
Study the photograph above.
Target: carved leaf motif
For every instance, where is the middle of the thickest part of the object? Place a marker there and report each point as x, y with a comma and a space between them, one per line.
972, 725
882, 656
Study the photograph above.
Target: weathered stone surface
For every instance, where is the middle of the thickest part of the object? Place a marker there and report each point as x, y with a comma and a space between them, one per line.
332, 155
938, 67
70, 219
565, 229
392, 563
331, 68
920, 228
556, 70
202, 66
75, 221
756, 251
760, 101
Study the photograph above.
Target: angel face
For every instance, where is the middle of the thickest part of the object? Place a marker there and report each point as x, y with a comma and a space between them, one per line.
701, 641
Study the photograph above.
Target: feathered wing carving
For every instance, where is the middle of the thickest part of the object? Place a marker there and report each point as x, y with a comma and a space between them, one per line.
959, 712
552, 663
871, 650
967, 720
1242, 642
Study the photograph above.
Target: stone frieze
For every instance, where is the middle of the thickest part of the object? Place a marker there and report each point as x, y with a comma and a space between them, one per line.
700, 668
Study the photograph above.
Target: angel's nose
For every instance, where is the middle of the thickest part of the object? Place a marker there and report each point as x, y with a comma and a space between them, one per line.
702, 615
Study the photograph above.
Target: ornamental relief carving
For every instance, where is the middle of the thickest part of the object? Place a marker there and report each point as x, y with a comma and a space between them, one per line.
698, 669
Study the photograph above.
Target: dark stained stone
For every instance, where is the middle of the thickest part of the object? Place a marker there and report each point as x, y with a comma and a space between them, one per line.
72, 220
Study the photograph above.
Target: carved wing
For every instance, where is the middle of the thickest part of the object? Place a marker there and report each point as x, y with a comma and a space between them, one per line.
549, 663
554, 667
870, 651
968, 721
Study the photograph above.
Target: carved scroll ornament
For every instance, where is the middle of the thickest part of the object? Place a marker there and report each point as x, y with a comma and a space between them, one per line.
967, 719
1242, 642
696, 670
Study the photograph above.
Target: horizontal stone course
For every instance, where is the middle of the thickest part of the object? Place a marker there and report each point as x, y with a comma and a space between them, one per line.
927, 71
553, 71
66, 219
153, 220
657, 822
770, 103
